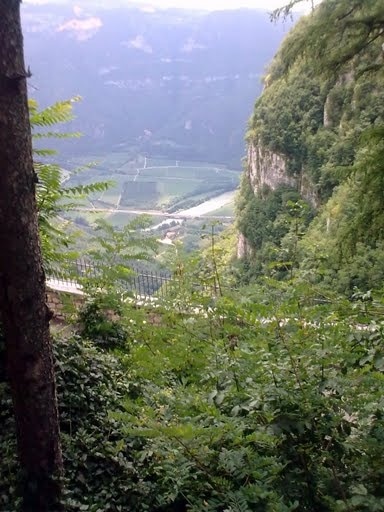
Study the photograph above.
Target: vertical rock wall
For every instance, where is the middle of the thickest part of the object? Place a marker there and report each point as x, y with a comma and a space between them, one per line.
266, 169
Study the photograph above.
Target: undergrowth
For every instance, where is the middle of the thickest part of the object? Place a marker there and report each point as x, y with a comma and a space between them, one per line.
249, 402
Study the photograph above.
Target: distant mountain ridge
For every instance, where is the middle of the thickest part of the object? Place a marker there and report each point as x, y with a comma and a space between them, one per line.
170, 83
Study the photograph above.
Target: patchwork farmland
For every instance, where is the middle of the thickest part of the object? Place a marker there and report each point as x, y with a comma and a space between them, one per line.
163, 185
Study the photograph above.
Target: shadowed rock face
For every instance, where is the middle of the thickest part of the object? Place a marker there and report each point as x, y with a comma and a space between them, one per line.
172, 83
267, 169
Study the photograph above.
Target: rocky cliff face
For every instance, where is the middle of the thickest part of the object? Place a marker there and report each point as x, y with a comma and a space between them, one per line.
244, 249
266, 169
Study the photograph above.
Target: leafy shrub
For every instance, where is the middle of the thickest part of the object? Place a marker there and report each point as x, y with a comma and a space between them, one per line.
101, 470
267, 416
99, 322
258, 402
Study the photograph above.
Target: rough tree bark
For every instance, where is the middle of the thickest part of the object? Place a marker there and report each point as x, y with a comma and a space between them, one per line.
24, 314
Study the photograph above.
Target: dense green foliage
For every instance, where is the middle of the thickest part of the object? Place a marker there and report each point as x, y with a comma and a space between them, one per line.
220, 398
296, 105
334, 35
275, 223
259, 401
99, 469
53, 197
322, 113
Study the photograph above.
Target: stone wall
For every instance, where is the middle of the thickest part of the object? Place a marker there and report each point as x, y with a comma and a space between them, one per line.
64, 304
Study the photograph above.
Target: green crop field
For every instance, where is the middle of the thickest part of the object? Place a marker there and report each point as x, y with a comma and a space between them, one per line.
188, 172
160, 185
120, 219
165, 186
227, 210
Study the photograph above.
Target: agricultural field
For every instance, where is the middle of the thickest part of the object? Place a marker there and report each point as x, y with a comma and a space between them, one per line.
227, 210
154, 185
151, 184
121, 219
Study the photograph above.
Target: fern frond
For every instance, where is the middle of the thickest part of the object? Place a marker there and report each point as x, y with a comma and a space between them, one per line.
57, 135
44, 152
51, 196
85, 190
238, 503
60, 112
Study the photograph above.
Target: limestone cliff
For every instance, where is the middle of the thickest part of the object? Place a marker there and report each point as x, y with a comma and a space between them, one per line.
244, 249
264, 170
303, 134
267, 169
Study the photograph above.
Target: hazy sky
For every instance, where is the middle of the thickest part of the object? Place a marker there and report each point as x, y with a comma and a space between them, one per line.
196, 4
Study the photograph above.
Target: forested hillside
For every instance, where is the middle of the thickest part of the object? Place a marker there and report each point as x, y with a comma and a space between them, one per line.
311, 200
231, 388
171, 83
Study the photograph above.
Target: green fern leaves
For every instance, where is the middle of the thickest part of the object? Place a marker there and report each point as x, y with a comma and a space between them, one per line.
52, 196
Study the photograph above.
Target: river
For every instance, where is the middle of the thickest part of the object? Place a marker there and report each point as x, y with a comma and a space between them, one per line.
209, 206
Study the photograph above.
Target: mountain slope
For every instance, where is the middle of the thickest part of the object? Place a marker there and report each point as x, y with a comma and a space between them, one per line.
164, 82
315, 147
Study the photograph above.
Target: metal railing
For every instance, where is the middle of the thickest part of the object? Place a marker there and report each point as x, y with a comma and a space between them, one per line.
143, 282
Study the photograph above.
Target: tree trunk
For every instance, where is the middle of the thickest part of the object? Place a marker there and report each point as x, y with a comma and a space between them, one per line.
25, 316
